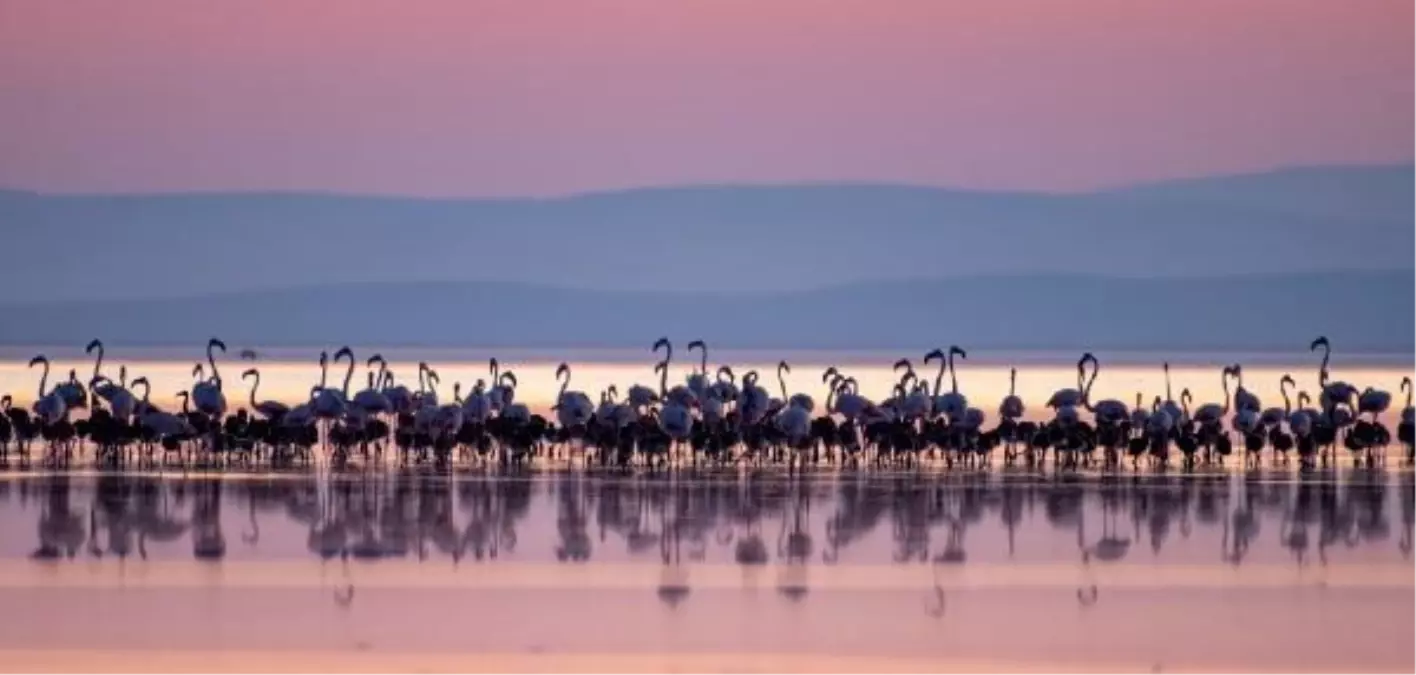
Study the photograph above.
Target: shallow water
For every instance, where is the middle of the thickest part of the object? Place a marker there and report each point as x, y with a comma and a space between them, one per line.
409, 569
287, 374
404, 569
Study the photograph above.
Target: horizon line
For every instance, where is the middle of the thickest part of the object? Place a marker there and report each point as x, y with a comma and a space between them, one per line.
711, 293
707, 185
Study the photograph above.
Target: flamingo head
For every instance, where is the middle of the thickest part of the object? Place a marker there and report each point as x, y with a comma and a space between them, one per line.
38, 360
344, 351
250, 372
830, 372
95, 344
660, 343
956, 350
216, 344
936, 354
562, 369
1322, 341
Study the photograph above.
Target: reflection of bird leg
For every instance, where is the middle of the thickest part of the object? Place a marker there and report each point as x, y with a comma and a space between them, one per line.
255, 533
1081, 540
934, 605
142, 547
344, 596
1087, 596
94, 549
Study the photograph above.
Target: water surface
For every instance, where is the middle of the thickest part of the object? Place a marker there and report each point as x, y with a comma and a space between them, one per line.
412, 568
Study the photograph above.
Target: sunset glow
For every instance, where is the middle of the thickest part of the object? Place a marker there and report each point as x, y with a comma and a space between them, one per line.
525, 97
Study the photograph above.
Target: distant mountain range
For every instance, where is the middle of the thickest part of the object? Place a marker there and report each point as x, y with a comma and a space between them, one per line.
1249, 261
717, 238
1362, 311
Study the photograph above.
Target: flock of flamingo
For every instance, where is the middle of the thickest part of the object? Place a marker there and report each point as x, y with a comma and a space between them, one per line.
716, 419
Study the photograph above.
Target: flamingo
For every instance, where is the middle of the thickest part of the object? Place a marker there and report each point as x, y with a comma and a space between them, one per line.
478, 406
753, 401
1012, 406
573, 408
427, 376
1243, 398
271, 410
1212, 413
953, 404
50, 408
1272, 417
1335, 391
117, 396
1069, 398
121, 402
207, 395
1107, 411
372, 400
698, 381
330, 403
803, 401
684, 396
1373, 402
1404, 430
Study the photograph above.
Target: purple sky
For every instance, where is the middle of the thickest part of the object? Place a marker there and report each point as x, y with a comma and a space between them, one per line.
539, 97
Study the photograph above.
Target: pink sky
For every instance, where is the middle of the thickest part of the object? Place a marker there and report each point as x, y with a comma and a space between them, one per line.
525, 97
